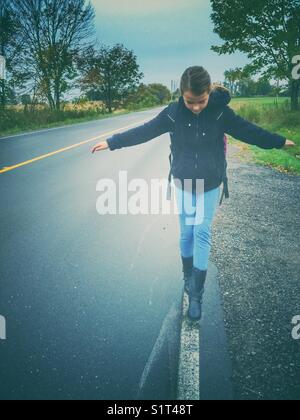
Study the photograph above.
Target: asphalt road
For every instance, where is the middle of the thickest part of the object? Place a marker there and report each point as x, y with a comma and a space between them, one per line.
92, 303
84, 295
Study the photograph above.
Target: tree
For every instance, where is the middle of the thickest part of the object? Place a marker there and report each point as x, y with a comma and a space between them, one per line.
142, 97
232, 77
247, 87
230, 80
112, 72
161, 92
55, 33
263, 86
9, 46
268, 31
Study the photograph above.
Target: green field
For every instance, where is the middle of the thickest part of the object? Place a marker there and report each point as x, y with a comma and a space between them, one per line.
16, 122
258, 101
277, 119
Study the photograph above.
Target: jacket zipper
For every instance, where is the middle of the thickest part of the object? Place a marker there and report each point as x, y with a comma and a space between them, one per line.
197, 135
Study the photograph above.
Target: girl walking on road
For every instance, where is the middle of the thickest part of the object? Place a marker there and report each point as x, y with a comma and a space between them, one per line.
197, 130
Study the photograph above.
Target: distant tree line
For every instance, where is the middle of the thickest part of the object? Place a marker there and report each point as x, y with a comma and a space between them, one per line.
241, 84
52, 53
51, 50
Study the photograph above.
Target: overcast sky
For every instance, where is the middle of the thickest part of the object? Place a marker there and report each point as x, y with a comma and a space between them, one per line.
167, 36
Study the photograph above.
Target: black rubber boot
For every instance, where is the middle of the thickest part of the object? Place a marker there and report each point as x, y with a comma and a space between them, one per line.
187, 264
196, 294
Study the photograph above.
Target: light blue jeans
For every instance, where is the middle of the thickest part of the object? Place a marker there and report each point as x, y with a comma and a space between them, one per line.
196, 214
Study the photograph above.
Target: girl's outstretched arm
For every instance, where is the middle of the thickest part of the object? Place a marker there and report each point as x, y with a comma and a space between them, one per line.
250, 133
156, 127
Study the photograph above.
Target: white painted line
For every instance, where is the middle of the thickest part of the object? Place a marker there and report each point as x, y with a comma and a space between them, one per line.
163, 334
2, 328
46, 130
189, 360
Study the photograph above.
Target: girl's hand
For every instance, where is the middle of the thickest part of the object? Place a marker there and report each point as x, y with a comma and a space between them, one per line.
100, 146
289, 143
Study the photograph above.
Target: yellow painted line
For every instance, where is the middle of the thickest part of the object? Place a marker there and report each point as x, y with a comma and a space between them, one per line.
27, 162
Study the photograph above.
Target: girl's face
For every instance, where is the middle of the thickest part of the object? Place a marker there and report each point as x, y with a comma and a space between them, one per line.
196, 104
